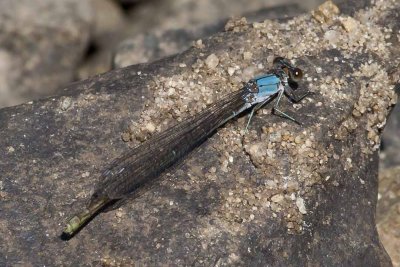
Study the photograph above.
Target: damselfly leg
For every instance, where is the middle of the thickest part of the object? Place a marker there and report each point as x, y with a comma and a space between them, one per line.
293, 97
255, 109
278, 112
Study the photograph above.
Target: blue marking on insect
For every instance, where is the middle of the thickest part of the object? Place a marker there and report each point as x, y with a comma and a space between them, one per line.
267, 85
264, 88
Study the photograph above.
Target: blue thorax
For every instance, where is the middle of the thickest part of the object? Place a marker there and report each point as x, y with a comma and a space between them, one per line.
267, 84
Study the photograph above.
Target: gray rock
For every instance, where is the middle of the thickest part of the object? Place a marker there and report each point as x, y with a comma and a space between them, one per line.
109, 26
41, 43
388, 211
151, 45
390, 142
190, 14
215, 208
390, 156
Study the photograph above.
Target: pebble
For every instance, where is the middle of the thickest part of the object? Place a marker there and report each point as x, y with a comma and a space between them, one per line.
292, 186
66, 103
349, 24
199, 43
126, 137
298, 139
308, 143
325, 12
247, 55
231, 71
213, 170
275, 137
277, 198
271, 184
119, 214
300, 205
212, 61
332, 36
150, 127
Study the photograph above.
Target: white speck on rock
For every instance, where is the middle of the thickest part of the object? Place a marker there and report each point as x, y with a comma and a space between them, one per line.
277, 198
212, 61
150, 127
66, 103
332, 36
231, 71
247, 55
300, 205
349, 24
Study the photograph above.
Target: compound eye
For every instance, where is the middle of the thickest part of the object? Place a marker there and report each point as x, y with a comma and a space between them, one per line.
296, 74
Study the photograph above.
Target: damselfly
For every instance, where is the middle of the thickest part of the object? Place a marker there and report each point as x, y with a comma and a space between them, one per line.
149, 160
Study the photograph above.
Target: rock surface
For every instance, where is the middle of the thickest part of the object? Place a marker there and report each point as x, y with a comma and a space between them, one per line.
158, 43
388, 209
390, 156
41, 44
281, 195
107, 31
44, 45
388, 212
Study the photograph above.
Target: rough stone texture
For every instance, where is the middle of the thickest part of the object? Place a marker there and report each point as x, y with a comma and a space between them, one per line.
190, 14
46, 44
108, 29
388, 212
150, 46
282, 195
156, 29
390, 156
41, 43
388, 209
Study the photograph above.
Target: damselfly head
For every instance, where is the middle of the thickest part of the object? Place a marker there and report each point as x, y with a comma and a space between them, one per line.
295, 74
